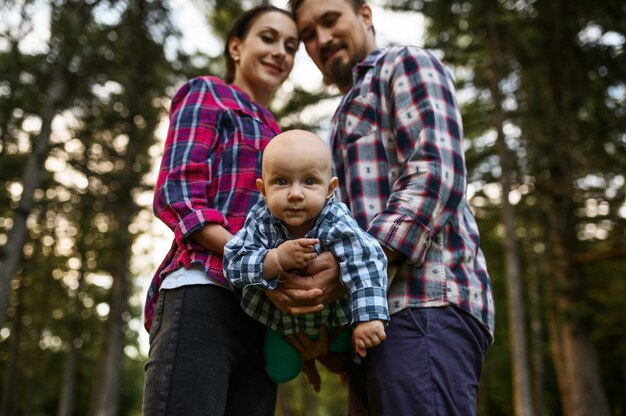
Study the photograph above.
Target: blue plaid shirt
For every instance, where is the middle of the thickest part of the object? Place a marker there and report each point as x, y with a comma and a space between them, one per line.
398, 153
362, 263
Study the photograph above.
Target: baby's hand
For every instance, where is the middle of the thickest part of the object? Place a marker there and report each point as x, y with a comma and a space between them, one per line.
368, 335
296, 254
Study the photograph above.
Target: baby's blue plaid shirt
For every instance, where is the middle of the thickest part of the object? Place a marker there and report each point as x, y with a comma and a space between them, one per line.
362, 263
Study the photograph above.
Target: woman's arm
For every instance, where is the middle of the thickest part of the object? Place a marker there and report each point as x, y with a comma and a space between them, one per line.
181, 197
212, 237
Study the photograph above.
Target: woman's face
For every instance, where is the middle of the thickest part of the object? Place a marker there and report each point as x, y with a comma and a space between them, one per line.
264, 58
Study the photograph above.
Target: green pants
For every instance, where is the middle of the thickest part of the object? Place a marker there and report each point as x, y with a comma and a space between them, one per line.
283, 362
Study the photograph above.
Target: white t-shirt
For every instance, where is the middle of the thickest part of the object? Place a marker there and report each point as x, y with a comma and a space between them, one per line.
185, 277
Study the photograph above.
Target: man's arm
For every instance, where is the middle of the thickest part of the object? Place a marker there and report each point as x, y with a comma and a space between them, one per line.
318, 350
428, 133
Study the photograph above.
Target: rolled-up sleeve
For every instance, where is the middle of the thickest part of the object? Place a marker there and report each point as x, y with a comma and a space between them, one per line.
428, 130
244, 255
181, 198
363, 269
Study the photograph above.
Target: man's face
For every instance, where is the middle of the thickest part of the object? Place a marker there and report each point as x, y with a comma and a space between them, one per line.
335, 36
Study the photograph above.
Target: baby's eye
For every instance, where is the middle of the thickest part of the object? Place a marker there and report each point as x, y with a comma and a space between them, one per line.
281, 182
309, 181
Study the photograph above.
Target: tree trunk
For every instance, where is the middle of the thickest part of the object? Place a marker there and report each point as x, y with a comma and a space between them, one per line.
105, 399
522, 402
67, 396
537, 339
31, 179
574, 353
106, 393
587, 394
11, 366
68, 388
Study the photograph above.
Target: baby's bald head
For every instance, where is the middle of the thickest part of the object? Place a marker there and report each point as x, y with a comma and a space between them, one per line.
297, 179
297, 146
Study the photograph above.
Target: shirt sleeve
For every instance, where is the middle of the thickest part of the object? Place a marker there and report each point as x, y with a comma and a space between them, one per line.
363, 268
245, 253
181, 198
428, 130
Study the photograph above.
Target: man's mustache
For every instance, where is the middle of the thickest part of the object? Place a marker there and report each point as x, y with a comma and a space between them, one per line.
330, 48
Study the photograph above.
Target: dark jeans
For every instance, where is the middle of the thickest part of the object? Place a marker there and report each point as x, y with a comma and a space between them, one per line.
429, 364
206, 357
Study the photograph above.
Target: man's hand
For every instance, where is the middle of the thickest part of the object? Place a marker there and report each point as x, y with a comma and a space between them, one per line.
312, 350
310, 371
323, 272
368, 335
297, 301
334, 362
307, 294
307, 347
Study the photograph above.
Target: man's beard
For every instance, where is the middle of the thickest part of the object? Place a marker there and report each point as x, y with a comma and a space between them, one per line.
340, 73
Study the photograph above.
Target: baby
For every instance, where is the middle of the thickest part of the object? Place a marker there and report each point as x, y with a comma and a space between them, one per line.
296, 220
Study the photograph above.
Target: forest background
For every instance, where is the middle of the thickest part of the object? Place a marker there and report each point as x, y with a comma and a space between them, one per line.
542, 84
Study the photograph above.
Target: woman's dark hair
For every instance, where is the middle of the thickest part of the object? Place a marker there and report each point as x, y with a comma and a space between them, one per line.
240, 29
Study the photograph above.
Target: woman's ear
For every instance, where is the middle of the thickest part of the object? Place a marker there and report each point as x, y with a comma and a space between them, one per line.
331, 186
233, 48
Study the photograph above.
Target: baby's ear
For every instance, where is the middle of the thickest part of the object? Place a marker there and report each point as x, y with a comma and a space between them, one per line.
331, 186
260, 186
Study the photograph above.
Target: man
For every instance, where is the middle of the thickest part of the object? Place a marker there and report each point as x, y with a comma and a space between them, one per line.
398, 153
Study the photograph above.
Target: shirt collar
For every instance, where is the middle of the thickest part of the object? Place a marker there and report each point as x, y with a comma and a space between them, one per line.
260, 112
369, 62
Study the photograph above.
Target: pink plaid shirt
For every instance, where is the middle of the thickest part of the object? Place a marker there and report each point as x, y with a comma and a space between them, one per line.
211, 161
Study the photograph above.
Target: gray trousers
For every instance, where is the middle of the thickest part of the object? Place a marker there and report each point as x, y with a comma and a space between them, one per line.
206, 357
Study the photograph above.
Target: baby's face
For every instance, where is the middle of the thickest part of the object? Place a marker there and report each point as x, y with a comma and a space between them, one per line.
297, 182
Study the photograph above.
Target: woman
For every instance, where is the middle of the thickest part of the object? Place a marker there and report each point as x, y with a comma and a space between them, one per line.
205, 353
